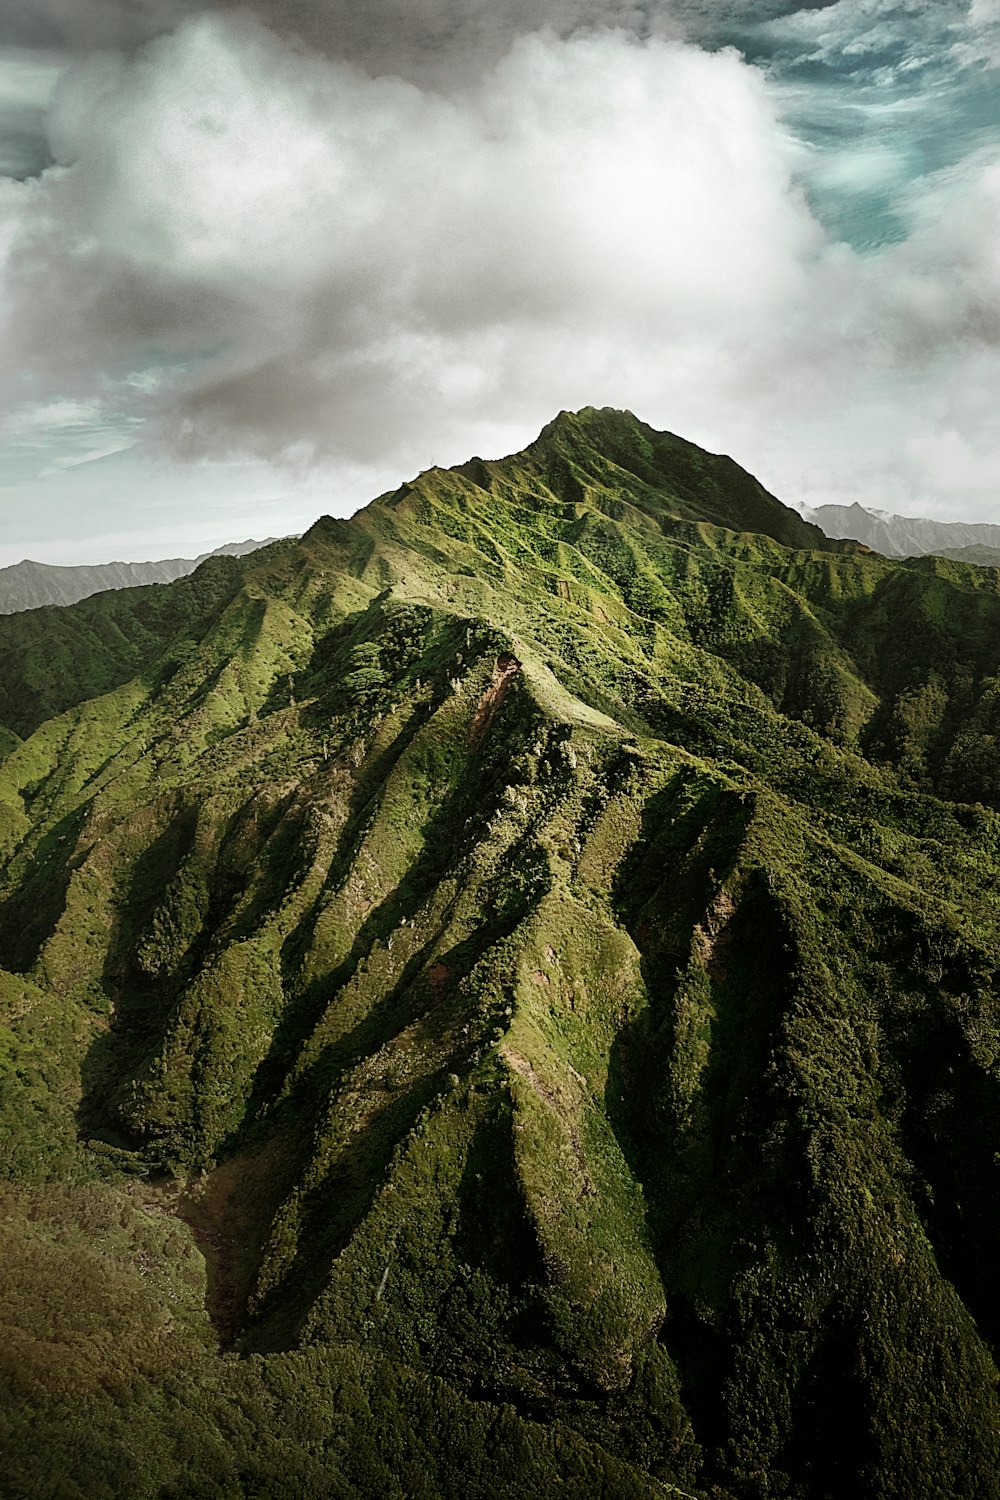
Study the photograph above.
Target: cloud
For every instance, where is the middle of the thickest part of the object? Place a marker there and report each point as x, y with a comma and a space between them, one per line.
81, 25
889, 43
34, 424
979, 46
331, 257
414, 38
256, 248
859, 29
26, 82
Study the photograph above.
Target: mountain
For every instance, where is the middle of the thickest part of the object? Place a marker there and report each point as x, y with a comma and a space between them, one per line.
34, 585
979, 556
501, 999
903, 536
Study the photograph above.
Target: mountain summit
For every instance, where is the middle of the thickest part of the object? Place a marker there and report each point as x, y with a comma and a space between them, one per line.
500, 998
590, 456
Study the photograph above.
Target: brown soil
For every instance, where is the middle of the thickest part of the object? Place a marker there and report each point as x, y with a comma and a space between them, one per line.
713, 935
438, 974
505, 670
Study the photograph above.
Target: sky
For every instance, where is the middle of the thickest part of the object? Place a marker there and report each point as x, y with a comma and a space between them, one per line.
262, 261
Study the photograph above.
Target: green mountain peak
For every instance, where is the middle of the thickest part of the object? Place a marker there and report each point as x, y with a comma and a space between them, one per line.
499, 997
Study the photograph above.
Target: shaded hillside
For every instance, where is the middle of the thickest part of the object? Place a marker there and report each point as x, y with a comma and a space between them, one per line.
517, 968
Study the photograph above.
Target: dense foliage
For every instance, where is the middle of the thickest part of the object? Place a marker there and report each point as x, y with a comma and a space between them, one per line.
500, 997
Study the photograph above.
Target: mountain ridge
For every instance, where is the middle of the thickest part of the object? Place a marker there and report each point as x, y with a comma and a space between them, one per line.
525, 953
904, 536
34, 585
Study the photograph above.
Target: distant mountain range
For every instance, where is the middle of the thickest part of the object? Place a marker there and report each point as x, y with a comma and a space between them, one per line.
31, 585
908, 536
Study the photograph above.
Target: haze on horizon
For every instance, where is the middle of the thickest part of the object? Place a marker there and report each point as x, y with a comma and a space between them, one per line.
258, 262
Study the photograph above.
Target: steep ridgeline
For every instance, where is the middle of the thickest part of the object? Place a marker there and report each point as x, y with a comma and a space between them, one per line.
909, 536
501, 999
34, 585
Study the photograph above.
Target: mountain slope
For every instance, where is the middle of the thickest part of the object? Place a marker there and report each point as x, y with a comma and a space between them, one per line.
904, 536
33, 585
517, 967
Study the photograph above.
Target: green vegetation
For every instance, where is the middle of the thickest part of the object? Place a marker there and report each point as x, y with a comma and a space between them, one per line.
499, 997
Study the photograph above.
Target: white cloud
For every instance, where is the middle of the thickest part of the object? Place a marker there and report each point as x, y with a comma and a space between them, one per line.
861, 27
35, 423
979, 45
323, 249
911, 34
256, 248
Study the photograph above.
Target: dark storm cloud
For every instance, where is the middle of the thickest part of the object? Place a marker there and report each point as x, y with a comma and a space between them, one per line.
382, 33
82, 25
414, 37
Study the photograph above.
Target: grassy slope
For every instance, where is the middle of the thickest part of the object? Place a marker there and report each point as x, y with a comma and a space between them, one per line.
612, 1039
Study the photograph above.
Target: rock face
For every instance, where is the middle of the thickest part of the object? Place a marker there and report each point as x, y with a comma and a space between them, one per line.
907, 536
33, 585
519, 969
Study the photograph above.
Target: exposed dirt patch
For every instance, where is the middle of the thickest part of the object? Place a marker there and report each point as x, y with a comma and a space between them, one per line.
438, 974
505, 670
713, 935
